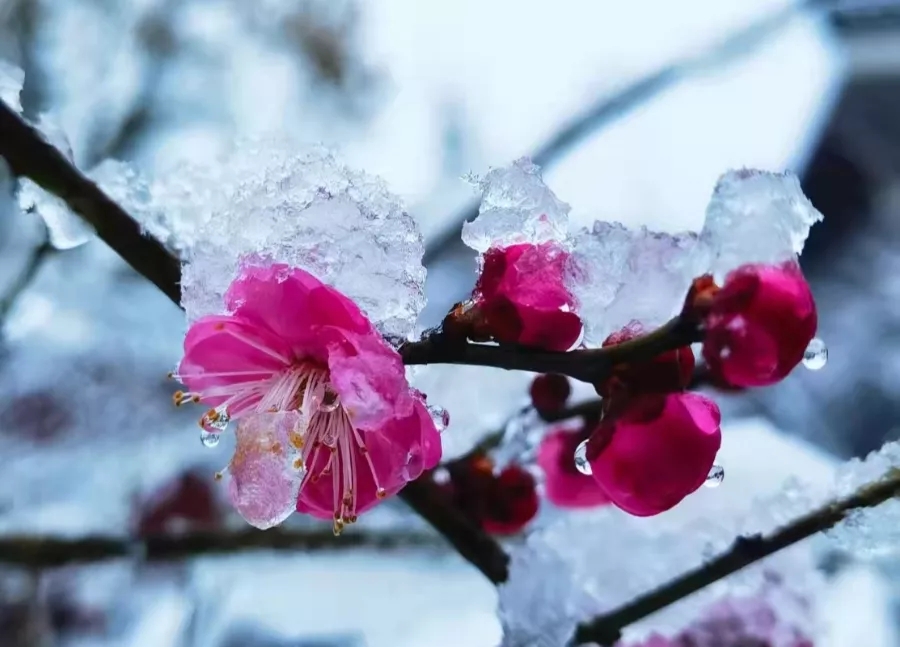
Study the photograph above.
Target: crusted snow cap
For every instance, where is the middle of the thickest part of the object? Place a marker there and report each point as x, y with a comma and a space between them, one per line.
311, 212
516, 207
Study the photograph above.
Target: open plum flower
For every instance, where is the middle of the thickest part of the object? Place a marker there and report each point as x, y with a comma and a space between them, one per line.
655, 451
522, 297
759, 325
327, 423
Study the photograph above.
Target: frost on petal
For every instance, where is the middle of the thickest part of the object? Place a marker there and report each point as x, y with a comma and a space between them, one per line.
869, 532
619, 275
516, 207
309, 211
12, 78
264, 481
66, 229
757, 217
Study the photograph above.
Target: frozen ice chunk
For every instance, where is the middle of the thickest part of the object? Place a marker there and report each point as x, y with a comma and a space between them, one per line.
619, 275
11, 81
309, 211
516, 207
869, 532
65, 228
757, 217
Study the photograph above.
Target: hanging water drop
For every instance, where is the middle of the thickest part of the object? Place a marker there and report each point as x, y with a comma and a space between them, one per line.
715, 477
439, 416
581, 460
816, 355
216, 420
209, 438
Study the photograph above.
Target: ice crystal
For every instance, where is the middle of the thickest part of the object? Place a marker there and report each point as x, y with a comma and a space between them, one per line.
309, 211
516, 207
12, 79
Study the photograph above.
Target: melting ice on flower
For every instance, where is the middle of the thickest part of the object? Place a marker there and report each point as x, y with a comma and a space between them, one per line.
327, 423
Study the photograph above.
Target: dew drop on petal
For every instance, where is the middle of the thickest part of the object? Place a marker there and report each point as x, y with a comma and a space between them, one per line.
439, 416
715, 477
816, 355
209, 438
581, 460
215, 420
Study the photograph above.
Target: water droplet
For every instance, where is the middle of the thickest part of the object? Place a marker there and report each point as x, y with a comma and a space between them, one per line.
581, 460
439, 416
325, 399
816, 355
209, 438
715, 477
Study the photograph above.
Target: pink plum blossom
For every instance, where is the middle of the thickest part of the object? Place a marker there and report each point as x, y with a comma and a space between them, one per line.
522, 296
564, 485
759, 324
327, 423
655, 450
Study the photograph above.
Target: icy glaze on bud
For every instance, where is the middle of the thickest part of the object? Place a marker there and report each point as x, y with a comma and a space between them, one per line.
655, 451
549, 393
327, 423
522, 297
668, 372
759, 325
564, 485
502, 504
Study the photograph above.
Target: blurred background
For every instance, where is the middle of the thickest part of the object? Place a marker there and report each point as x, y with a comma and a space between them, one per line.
633, 109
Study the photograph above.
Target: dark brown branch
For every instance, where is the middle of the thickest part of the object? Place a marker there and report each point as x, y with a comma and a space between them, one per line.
606, 629
47, 552
29, 155
590, 365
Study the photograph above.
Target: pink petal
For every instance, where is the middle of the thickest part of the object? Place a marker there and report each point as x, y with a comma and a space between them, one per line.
564, 485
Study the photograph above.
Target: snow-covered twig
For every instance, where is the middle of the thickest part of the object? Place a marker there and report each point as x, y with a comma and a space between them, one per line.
606, 629
47, 552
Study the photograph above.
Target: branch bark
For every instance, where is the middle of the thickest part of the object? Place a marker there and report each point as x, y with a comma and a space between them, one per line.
607, 629
49, 552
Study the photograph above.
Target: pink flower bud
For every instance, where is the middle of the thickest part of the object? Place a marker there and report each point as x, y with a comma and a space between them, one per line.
655, 451
759, 325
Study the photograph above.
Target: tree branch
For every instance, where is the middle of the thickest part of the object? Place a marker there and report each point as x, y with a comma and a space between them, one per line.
48, 552
588, 365
606, 629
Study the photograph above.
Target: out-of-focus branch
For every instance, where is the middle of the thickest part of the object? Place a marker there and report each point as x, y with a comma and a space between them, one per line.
29, 155
608, 109
606, 629
23, 280
47, 552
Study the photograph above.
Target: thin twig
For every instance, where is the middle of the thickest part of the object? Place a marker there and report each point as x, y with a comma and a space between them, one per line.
606, 629
26, 276
48, 552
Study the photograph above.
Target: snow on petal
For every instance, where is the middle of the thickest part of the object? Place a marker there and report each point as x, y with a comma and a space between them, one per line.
516, 207
757, 217
310, 211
